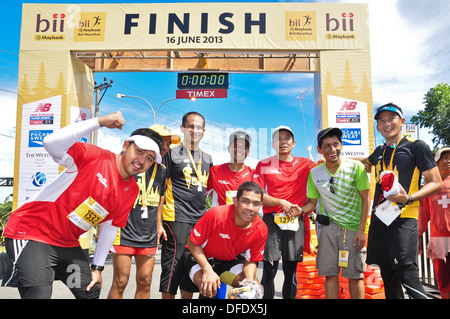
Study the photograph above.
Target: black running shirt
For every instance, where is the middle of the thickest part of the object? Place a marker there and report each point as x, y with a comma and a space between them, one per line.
411, 158
140, 230
188, 173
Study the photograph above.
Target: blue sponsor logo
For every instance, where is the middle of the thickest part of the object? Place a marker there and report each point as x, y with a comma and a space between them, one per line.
39, 179
37, 136
351, 136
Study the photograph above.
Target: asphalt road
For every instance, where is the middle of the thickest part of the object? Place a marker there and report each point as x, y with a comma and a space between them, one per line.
60, 291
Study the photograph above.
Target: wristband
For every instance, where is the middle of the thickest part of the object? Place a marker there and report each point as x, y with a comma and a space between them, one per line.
96, 267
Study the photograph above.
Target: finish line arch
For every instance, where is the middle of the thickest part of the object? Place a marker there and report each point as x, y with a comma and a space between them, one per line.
63, 45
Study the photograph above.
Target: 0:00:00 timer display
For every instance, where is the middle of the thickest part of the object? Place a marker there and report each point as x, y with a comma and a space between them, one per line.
202, 80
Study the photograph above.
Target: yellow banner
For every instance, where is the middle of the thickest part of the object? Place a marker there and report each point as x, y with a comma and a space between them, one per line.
221, 26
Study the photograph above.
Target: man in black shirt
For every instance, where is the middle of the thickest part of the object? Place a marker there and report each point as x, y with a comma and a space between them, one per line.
187, 177
394, 245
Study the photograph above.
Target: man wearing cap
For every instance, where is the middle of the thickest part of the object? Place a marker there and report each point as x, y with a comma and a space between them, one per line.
96, 187
342, 187
140, 237
284, 177
436, 210
168, 137
393, 245
188, 168
224, 179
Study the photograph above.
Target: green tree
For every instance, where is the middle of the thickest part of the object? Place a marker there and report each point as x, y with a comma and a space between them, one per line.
436, 114
5, 209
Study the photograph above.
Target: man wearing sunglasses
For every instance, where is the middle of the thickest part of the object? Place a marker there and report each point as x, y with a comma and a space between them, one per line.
342, 187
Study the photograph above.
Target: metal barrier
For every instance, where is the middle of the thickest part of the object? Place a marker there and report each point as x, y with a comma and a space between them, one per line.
426, 269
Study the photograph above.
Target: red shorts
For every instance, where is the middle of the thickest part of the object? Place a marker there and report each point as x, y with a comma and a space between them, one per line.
126, 250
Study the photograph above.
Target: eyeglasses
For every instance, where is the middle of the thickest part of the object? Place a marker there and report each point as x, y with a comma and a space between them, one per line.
331, 181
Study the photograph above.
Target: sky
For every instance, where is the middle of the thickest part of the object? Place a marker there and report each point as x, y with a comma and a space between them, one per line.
409, 55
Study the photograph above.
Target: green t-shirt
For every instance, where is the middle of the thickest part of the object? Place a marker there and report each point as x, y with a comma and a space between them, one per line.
344, 205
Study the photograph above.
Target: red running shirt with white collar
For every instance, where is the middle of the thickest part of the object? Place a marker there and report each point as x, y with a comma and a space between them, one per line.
226, 182
220, 237
91, 173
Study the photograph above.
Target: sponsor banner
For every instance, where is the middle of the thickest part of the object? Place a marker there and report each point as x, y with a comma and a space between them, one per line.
37, 168
202, 94
226, 26
411, 130
351, 117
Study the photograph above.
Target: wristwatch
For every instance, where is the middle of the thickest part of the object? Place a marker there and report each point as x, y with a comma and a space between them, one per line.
96, 267
410, 200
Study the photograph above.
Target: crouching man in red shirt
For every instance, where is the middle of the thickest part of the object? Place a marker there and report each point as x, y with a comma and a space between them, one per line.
225, 245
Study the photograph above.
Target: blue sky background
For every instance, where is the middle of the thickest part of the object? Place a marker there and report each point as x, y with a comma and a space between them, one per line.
409, 50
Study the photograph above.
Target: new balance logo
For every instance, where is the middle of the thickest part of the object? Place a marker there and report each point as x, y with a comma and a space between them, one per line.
43, 107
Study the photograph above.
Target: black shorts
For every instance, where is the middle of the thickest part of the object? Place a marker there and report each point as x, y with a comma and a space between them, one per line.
38, 264
284, 244
394, 245
171, 252
187, 262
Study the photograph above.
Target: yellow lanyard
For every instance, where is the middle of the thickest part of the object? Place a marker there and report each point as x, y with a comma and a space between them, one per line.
389, 168
345, 236
197, 168
145, 192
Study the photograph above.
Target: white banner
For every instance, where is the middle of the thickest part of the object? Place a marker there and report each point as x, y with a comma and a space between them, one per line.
222, 26
351, 117
37, 167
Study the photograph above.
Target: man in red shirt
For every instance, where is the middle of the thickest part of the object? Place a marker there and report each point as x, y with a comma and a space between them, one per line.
217, 241
96, 187
225, 179
284, 177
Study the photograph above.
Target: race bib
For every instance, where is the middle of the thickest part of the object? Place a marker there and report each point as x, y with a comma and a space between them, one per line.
88, 214
286, 223
387, 212
343, 258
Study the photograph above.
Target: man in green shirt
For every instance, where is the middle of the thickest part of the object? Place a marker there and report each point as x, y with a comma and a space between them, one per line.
342, 187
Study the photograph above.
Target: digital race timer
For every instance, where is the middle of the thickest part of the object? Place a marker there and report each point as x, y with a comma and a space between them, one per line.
202, 81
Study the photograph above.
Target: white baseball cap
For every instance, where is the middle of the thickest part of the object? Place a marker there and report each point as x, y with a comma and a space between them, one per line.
146, 143
283, 128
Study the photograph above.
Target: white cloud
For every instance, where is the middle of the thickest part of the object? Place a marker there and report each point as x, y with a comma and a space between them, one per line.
402, 46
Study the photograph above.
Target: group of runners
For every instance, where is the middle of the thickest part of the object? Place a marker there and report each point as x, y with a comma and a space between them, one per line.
153, 194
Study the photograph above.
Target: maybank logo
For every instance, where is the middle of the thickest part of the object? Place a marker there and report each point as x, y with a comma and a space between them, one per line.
351, 136
50, 28
337, 24
90, 27
87, 26
300, 26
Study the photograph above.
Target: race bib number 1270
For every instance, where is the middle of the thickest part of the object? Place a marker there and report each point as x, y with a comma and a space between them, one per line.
88, 214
